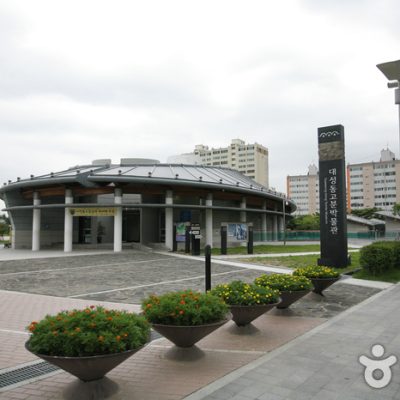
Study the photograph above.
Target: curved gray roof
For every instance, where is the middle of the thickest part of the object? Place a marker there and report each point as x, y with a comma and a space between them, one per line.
173, 174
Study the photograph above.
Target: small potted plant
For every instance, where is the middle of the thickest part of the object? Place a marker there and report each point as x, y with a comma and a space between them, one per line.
185, 317
291, 287
88, 343
320, 276
246, 301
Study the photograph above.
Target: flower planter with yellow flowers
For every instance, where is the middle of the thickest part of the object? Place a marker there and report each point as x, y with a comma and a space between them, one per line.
292, 288
247, 301
320, 276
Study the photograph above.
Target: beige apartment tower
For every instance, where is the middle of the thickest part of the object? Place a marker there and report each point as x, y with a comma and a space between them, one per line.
249, 159
304, 191
374, 184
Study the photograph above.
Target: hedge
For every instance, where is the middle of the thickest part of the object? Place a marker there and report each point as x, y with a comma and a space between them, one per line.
379, 257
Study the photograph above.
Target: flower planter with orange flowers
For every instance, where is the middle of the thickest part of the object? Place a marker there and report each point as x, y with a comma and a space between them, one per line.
88, 343
185, 317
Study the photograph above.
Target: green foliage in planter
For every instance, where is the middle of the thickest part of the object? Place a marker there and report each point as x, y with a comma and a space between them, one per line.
184, 308
379, 257
88, 332
284, 282
316, 271
246, 294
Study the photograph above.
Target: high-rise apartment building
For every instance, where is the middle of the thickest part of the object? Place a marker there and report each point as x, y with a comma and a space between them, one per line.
371, 184
249, 159
374, 184
304, 191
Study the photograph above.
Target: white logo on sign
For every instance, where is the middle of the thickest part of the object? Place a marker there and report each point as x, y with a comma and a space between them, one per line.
382, 365
329, 134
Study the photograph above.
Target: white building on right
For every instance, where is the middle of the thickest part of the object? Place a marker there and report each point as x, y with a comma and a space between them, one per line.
374, 184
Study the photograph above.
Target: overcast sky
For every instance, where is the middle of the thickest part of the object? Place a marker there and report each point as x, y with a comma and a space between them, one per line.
82, 80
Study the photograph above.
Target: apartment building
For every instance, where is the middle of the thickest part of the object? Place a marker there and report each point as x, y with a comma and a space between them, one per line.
374, 184
249, 159
304, 191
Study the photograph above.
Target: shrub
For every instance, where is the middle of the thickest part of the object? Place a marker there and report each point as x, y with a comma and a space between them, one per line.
88, 332
284, 282
184, 308
240, 293
316, 271
379, 257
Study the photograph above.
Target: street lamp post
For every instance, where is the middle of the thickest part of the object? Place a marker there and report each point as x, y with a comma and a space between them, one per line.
392, 72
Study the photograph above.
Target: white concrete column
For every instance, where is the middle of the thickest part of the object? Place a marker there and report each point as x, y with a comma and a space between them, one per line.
118, 220
281, 224
209, 220
243, 213
169, 220
264, 223
68, 222
275, 225
36, 223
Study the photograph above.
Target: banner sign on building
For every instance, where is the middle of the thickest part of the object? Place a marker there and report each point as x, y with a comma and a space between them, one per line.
332, 197
181, 231
92, 211
237, 231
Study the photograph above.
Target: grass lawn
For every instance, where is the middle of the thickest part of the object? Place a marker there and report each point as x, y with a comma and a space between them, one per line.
392, 275
301, 261
270, 249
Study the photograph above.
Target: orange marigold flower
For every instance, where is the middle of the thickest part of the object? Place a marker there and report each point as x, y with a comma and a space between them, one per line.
125, 335
87, 311
32, 327
182, 302
109, 318
100, 338
118, 338
149, 305
77, 329
181, 312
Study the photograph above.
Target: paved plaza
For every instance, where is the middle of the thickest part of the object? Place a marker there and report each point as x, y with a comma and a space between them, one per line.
231, 362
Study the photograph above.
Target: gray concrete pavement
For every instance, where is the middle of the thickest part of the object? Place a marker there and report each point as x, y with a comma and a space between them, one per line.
323, 363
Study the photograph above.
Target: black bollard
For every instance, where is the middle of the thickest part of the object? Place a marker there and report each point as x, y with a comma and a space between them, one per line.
224, 240
207, 251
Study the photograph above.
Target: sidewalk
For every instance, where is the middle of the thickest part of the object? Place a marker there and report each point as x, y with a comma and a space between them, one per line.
158, 372
323, 363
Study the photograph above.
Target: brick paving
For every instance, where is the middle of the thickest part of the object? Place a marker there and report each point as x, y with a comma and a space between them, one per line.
36, 287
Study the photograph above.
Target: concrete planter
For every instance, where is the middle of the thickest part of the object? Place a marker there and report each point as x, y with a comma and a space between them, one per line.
88, 368
320, 284
187, 336
243, 315
289, 297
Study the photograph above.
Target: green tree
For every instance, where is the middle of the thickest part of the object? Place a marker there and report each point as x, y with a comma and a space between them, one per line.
4, 225
396, 209
308, 222
367, 213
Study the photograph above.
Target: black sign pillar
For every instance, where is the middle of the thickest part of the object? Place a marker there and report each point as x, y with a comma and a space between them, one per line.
332, 197
207, 251
224, 240
187, 239
250, 241
174, 242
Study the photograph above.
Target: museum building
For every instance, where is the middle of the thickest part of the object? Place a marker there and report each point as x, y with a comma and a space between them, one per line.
137, 201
